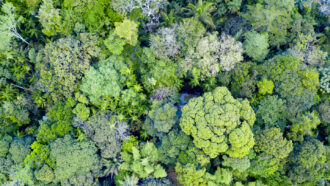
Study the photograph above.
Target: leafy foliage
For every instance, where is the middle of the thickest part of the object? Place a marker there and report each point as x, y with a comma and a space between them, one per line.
64, 63
106, 131
303, 125
256, 45
73, 157
230, 52
211, 121
307, 162
9, 23
143, 161
105, 85
272, 112
127, 30
272, 17
161, 118
157, 92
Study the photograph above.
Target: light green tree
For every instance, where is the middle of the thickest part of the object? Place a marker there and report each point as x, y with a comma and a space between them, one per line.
127, 30
143, 161
219, 124
304, 125
265, 86
256, 45
9, 22
50, 18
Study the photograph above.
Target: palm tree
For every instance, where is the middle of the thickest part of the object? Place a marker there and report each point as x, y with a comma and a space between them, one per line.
202, 11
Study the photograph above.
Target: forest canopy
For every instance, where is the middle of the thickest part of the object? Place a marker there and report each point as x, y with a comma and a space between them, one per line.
164, 92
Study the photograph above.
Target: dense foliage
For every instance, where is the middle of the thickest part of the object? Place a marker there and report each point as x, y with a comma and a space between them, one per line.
164, 92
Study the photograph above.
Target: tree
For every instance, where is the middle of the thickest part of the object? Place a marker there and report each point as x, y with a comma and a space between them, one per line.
158, 182
272, 149
149, 8
256, 45
50, 18
202, 11
56, 123
291, 83
304, 125
176, 146
188, 34
164, 43
190, 175
242, 80
8, 25
239, 164
81, 111
161, 118
230, 52
271, 112
13, 115
157, 72
73, 158
45, 174
114, 43
111, 84
219, 123
221, 176
143, 161
265, 86
307, 162
325, 80
272, 17
272, 143
202, 61
4, 145
106, 131
64, 63
127, 30
20, 148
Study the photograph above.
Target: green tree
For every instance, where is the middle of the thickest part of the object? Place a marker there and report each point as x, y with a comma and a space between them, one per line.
106, 131
143, 161
256, 45
111, 84
73, 158
272, 17
307, 162
157, 73
64, 63
304, 125
271, 112
271, 148
127, 30
56, 123
20, 148
202, 11
239, 164
9, 22
161, 118
216, 120
272, 142
50, 18
81, 111
114, 43
190, 175
265, 86
45, 174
